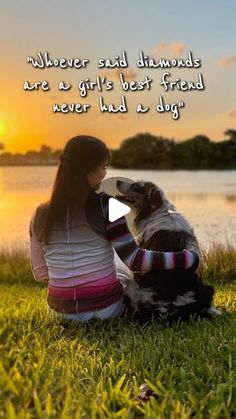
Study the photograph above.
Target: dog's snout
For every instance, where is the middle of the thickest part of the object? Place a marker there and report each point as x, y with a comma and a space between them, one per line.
123, 186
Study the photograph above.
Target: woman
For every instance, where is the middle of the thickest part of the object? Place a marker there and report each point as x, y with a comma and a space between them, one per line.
72, 242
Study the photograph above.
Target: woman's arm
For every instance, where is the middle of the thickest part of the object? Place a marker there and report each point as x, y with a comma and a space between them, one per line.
37, 261
143, 260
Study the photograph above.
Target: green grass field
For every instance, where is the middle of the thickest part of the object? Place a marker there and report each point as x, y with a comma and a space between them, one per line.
57, 369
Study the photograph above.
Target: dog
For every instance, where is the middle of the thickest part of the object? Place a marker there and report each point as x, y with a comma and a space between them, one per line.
173, 294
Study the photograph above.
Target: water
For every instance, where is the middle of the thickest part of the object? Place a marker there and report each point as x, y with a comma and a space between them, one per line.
206, 198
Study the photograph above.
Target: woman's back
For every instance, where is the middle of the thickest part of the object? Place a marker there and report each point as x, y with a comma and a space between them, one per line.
78, 246
79, 259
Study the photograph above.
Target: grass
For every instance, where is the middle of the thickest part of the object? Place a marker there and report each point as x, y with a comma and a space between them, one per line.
57, 369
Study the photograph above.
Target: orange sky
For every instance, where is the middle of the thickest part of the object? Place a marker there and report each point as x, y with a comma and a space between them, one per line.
67, 30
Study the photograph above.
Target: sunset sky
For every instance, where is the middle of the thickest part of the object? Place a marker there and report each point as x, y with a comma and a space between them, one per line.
103, 29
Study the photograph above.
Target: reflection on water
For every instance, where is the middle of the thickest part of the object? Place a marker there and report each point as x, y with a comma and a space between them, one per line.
207, 199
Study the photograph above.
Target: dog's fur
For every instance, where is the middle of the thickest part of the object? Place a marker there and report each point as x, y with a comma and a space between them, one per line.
174, 294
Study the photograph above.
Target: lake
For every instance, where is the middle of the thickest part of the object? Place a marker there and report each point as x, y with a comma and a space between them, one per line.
206, 198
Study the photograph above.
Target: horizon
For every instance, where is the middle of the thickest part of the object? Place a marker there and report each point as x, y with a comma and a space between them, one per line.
3, 150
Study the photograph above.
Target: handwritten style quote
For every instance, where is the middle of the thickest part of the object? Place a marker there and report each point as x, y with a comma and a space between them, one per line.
125, 78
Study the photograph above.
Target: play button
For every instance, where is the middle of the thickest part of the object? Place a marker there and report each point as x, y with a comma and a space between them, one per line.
112, 208
116, 209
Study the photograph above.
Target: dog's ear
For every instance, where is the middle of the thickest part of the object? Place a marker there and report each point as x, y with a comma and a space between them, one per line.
155, 198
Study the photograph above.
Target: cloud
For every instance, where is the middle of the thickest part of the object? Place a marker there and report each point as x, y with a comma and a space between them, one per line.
232, 113
227, 60
128, 73
176, 48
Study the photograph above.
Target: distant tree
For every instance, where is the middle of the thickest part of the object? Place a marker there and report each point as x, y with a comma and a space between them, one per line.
143, 151
193, 153
45, 152
6, 158
32, 154
2, 146
18, 158
225, 151
56, 153
7, 154
230, 134
32, 157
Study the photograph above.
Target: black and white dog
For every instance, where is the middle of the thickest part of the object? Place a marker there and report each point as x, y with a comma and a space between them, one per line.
174, 294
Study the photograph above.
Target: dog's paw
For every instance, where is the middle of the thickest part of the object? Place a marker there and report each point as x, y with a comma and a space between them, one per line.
213, 311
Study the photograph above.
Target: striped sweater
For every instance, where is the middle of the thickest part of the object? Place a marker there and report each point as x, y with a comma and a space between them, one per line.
78, 262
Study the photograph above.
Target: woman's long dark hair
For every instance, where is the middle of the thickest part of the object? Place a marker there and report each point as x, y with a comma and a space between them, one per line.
81, 155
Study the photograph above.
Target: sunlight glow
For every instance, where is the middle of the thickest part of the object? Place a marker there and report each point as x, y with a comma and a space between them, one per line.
3, 128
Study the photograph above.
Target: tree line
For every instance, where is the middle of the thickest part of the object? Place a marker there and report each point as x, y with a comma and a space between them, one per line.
146, 151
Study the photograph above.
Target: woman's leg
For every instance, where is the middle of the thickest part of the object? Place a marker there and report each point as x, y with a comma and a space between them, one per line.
110, 312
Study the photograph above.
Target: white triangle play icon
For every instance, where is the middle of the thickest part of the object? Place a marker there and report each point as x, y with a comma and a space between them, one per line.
116, 209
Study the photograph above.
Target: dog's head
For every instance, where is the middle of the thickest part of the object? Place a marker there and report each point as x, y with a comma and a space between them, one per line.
143, 197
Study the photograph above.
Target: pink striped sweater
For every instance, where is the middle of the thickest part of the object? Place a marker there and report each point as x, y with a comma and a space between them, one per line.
78, 262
